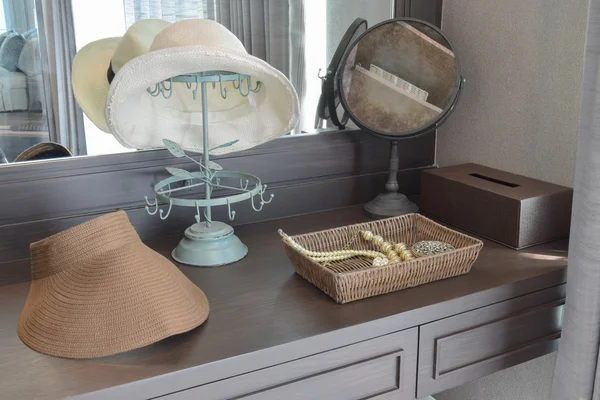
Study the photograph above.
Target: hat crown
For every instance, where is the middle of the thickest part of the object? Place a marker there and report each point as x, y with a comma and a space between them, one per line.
136, 41
197, 32
80, 243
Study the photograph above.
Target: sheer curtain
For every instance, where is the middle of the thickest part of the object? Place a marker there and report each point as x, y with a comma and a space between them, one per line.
19, 14
57, 47
169, 10
263, 26
272, 30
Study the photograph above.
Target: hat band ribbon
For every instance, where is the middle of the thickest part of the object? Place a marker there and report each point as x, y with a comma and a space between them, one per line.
110, 74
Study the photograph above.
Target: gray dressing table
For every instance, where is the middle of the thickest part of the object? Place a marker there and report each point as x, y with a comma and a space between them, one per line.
271, 334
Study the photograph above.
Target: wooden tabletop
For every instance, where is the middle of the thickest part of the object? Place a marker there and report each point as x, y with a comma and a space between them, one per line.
262, 314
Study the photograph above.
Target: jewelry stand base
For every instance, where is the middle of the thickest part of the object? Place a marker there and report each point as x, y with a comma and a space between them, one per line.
211, 246
390, 204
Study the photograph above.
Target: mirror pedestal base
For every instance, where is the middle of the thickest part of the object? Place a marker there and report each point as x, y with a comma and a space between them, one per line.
391, 204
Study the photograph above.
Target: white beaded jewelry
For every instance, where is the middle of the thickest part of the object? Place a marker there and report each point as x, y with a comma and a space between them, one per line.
395, 252
407, 255
400, 247
380, 262
386, 247
367, 235
393, 256
327, 256
391, 250
378, 240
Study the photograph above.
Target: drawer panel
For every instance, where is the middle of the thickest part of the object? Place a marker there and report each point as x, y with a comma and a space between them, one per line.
378, 376
380, 368
458, 349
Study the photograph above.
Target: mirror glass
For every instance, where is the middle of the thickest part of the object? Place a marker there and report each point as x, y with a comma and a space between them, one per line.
400, 78
23, 116
329, 109
298, 37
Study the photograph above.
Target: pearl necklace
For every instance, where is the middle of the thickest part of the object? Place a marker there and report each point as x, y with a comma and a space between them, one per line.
379, 259
390, 253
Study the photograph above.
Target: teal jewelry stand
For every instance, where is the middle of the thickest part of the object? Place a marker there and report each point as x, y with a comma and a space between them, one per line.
207, 243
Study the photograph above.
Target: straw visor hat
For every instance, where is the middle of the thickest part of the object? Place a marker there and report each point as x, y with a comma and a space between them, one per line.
95, 65
139, 120
97, 290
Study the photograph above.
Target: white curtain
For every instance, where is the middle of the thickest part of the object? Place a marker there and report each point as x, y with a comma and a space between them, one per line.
169, 10
297, 71
263, 26
57, 47
19, 15
272, 30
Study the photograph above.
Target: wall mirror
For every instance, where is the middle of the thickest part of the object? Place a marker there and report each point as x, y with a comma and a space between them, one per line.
39, 38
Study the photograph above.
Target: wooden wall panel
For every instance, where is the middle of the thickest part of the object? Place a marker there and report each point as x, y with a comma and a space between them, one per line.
290, 199
35, 193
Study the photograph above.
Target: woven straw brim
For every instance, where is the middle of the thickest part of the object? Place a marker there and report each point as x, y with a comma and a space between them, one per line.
111, 294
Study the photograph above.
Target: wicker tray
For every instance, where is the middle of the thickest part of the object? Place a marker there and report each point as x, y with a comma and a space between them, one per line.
356, 278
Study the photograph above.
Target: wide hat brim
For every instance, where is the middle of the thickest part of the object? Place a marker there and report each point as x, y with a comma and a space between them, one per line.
120, 299
141, 121
42, 151
89, 77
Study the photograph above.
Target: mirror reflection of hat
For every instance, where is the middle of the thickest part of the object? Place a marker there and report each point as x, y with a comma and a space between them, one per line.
96, 64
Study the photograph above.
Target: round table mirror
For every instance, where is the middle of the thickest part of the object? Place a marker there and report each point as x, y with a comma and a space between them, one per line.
399, 79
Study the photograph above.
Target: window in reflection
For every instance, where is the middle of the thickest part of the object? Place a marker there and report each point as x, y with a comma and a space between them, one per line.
91, 24
23, 120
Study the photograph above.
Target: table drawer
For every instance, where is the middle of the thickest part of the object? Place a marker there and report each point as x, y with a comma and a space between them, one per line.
456, 350
380, 368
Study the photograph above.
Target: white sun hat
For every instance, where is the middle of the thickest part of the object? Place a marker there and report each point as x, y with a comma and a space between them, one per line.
96, 64
139, 120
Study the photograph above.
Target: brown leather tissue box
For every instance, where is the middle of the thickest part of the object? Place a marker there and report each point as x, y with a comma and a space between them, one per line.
511, 209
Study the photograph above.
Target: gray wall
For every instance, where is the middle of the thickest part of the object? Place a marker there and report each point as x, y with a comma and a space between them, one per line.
523, 62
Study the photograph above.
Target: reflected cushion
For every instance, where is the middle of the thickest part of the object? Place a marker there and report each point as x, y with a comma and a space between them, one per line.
29, 60
4, 35
12, 80
11, 50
